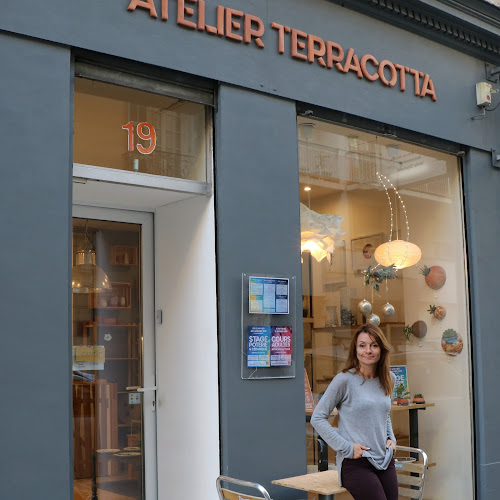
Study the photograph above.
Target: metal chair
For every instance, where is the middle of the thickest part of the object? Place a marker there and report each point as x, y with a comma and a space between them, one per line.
411, 472
226, 494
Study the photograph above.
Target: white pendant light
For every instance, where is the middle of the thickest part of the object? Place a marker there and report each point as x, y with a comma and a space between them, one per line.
400, 253
319, 233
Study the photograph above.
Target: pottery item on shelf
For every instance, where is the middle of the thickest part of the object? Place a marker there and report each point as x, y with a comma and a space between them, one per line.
103, 302
114, 301
123, 301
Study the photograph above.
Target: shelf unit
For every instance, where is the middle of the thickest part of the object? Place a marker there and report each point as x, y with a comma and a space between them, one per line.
123, 256
119, 297
95, 334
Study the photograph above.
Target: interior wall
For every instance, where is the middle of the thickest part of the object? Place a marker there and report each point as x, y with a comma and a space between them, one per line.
35, 193
186, 349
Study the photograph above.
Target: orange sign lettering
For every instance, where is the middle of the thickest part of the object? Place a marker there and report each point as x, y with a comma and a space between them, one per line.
240, 27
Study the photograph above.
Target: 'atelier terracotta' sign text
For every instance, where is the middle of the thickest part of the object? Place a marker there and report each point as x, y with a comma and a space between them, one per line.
246, 28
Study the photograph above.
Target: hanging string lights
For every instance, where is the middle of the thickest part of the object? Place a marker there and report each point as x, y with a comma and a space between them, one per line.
400, 253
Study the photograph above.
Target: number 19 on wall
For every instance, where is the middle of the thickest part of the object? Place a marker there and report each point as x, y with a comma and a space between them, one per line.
145, 131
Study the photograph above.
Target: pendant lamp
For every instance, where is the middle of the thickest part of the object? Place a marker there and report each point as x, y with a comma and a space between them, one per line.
400, 253
87, 276
319, 233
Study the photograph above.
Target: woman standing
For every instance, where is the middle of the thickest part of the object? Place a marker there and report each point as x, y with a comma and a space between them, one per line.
364, 440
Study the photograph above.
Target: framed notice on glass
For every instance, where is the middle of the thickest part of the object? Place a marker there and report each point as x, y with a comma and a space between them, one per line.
268, 295
268, 326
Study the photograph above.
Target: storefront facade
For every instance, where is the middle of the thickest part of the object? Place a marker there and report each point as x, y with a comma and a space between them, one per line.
175, 140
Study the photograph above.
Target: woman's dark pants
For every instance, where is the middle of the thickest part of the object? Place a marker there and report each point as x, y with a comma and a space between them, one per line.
365, 482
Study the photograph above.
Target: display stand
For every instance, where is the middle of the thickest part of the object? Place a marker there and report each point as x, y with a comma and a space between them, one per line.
272, 328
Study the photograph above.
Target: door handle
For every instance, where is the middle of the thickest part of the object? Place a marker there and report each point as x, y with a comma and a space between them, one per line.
145, 389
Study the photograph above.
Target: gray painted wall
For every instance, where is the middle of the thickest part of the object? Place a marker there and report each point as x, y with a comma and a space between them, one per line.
109, 28
258, 231
482, 184
257, 194
35, 135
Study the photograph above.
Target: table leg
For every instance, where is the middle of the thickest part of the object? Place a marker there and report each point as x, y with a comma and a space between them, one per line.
326, 497
94, 477
413, 414
322, 455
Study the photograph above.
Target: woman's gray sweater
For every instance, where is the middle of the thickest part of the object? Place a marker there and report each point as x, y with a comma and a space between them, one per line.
364, 418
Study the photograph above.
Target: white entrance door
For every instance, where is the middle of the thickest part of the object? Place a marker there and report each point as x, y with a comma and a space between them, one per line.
114, 372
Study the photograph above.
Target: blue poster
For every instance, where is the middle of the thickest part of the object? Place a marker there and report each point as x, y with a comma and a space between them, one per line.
259, 346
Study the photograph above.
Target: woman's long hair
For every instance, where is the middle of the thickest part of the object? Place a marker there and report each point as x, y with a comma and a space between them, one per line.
382, 370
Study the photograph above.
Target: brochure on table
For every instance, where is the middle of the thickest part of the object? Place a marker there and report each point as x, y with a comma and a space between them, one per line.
401, 375
268, 326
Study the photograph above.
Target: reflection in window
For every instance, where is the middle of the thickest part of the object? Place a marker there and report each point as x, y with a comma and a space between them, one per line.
127, 129
351, 183
107, 363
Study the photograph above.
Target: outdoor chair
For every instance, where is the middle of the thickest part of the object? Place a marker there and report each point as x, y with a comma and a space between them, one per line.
229, 494
411, 472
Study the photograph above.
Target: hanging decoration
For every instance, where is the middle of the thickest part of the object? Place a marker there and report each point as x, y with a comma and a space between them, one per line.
87, 276
439, 312
373, 319
388, 309
319, 233
374, 276
451, 342
435, 276
365, 307
400, 253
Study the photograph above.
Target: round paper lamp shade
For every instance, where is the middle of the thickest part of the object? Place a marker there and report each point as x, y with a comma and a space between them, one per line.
398, 252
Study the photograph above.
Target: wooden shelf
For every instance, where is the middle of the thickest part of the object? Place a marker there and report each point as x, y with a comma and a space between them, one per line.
393, 408
128, 325
119, 297
411, 406
123, 256
122, 359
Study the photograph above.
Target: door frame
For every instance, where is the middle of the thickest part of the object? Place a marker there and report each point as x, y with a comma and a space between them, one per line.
145, 219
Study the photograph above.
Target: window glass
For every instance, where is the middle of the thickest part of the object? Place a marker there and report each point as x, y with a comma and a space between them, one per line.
107, 360
127, 129
357, 192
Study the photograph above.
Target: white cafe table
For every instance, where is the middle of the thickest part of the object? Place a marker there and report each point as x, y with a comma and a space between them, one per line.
325, 484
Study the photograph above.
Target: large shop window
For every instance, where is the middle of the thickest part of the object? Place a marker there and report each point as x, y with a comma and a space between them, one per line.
358, 192
128, 129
